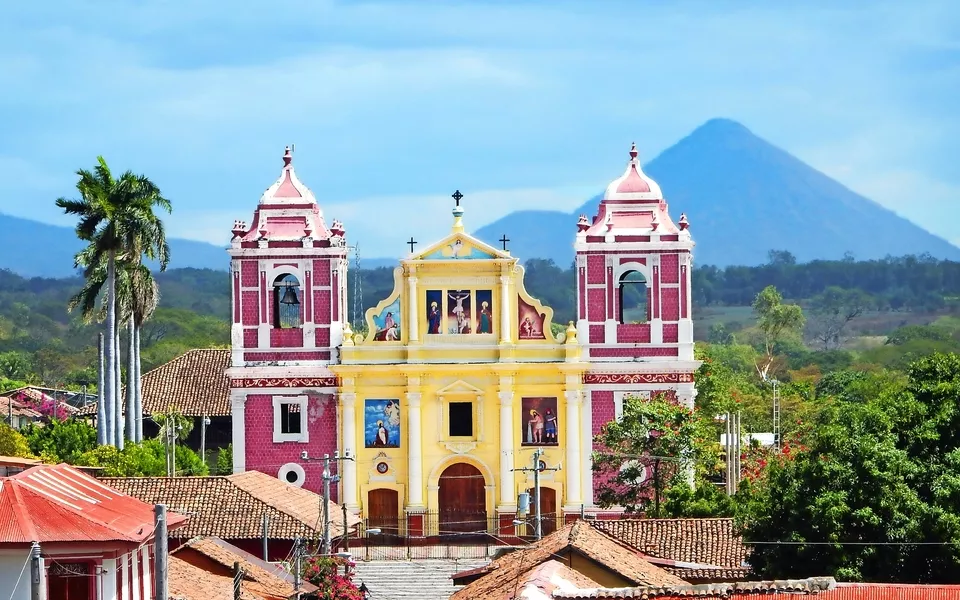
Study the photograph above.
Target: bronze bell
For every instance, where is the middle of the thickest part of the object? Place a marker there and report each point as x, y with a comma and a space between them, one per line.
289, 297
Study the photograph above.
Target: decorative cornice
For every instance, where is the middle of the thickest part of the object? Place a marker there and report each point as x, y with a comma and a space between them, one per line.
285, 382
594, 378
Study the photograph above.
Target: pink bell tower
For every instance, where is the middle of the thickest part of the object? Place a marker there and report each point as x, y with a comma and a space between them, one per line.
634, 310
288, 280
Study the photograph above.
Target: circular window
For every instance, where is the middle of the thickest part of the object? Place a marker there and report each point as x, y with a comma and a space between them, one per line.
292, 473
382, 467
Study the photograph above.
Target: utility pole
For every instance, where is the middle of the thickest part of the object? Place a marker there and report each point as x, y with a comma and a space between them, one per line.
160, 552
266, 528
328, 478
204, 421
237, 580
537, 518
36, 568
296, 567
346, 533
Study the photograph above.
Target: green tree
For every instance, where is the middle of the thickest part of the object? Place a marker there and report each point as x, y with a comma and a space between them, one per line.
146, 459
13, 443
16, 365
875, 496
654, 444
774, 319
117, 219
61, 441
225, 460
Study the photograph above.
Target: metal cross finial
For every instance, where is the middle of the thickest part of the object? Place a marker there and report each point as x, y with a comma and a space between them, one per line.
504, 241
412, 243
457, 196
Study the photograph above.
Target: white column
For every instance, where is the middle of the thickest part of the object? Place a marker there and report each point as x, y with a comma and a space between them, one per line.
239, 434
507, 485
125, 577
586, 448
147, 580
506, 324
414, 451
574, 496
413, 327
137, 588
686, 395
109, 578
348, 436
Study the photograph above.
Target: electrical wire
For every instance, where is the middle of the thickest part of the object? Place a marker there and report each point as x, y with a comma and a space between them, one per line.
19, 577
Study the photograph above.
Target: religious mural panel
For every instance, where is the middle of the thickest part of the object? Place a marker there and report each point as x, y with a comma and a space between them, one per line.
387, 323
381, 423
530, 325
458, 311
540, 424
434, 311
484, 311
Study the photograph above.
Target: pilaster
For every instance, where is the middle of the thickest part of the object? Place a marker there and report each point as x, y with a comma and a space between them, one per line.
506, 323
573, 443
414, 446
238, 400
507, 486
413, 326
348, 436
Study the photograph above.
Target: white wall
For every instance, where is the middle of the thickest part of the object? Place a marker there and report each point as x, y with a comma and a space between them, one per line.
11, 563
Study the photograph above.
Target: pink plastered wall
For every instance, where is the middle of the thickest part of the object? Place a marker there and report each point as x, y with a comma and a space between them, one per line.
603, 413
263, 455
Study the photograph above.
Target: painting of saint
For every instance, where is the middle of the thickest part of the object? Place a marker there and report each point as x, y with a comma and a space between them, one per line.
434, 311
388, 323
540, 425
530, 326
381, 424
485, 312
458, 311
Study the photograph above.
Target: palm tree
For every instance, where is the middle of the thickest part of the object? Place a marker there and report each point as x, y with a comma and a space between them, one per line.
118, 221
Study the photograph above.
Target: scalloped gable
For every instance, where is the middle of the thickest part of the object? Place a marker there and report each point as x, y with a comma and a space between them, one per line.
460, 246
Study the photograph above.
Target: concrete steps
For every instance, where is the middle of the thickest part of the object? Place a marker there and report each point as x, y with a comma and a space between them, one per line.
424, 579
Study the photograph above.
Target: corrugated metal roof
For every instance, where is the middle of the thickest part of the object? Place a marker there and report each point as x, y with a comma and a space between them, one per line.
57, 503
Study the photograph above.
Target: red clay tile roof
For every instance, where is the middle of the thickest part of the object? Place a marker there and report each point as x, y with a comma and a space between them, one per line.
195, 383
700, 575
57, 503
189, 582
743, 589
549, 576
580, 537
706, 542
20, 409
232, 507
265, 579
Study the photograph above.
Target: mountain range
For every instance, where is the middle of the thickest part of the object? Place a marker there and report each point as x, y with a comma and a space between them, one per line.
742, 195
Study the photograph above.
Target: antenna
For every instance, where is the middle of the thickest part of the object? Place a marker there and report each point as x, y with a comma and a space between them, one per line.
293, 148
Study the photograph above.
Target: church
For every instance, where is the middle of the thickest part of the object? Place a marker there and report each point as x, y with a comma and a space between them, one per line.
436, 406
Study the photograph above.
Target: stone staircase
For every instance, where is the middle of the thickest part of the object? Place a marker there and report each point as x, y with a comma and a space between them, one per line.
423, 579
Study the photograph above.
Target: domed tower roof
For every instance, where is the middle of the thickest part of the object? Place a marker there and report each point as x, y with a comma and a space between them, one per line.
634, 184
287, 189
288, 212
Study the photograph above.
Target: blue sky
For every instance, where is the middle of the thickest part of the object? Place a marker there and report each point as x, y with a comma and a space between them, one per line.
394, 105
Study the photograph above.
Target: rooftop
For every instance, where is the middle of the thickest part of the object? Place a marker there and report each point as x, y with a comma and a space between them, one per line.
744, 589
202, 569
703, 543
57, 503
502, 574
195, 383
232, 507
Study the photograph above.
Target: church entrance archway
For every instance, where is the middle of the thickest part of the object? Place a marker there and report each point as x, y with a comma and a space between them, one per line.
383, 509
462, 499
548, 510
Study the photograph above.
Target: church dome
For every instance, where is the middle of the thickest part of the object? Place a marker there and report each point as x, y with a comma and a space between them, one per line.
634, 184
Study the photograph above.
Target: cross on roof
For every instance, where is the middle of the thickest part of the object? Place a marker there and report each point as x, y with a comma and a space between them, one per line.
412, 243
457, 196
504, 241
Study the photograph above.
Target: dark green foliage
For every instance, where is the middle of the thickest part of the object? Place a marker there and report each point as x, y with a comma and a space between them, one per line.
146, 459
706, 500
225, 460
878, 477
62, 441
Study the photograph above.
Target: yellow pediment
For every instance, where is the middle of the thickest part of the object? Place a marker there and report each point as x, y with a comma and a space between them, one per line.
460, 246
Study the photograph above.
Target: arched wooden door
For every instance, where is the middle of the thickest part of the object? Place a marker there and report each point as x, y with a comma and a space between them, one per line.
383, 508
463, 499
548, 510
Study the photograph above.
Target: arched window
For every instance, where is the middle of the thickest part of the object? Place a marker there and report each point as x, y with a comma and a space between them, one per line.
286, 302
633, 297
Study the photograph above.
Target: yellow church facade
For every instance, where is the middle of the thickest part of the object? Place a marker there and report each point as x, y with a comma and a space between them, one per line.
460, 378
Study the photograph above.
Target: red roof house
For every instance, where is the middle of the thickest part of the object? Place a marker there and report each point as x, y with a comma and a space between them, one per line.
95, 542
